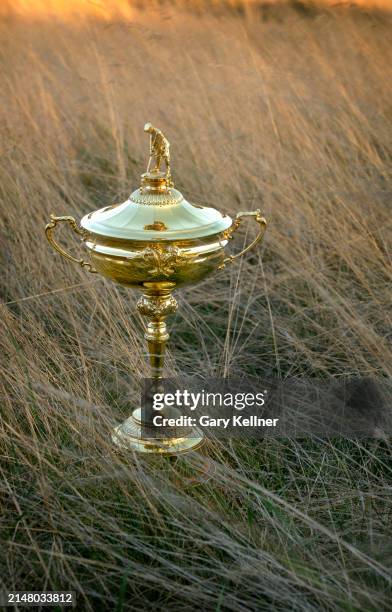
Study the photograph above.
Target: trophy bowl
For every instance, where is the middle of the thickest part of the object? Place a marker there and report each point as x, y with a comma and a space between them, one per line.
156, 241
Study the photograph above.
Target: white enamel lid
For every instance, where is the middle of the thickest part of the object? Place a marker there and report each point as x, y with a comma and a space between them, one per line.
156, 211
157, 218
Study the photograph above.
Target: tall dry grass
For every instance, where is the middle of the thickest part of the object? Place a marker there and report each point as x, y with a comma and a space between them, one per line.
129, 9
288, 113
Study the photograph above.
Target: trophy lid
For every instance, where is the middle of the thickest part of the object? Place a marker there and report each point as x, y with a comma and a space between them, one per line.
156, 211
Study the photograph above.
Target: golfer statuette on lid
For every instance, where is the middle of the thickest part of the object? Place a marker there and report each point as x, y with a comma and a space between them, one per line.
159, 150
156, 241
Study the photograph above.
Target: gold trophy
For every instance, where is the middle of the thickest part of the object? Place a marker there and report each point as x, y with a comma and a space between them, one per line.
156, 241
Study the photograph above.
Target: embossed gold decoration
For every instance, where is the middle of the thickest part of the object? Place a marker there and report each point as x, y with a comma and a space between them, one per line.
157, 226
146, 197
155, 241
157, 306
163, 260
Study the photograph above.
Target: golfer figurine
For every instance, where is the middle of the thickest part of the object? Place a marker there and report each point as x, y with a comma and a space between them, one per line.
159, 150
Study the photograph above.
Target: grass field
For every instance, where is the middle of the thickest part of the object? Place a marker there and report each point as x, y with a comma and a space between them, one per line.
286, 109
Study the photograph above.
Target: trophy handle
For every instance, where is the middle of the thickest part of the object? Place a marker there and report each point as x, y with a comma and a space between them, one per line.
237, 222
74, 226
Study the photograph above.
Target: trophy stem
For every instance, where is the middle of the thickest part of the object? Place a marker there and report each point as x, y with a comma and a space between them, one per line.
156, 305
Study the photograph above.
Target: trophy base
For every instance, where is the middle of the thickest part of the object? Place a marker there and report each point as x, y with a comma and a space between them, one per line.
128, 436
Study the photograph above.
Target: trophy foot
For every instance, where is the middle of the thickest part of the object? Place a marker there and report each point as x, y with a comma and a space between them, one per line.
128, 435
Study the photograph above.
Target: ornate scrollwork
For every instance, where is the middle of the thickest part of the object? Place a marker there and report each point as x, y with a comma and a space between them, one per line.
165, 198
228, 234
162, 260
51, 226
157, 306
